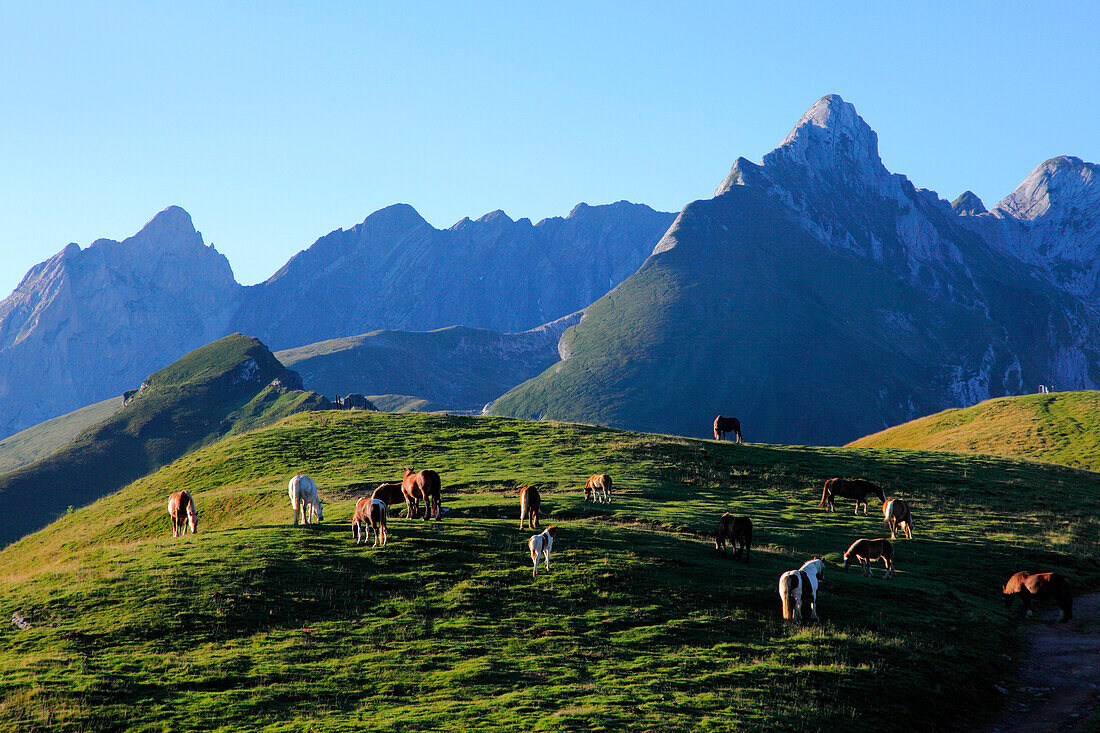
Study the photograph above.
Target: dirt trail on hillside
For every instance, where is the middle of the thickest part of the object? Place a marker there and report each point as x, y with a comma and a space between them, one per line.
1058, 687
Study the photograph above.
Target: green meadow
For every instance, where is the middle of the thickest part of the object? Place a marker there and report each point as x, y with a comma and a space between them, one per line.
254, 624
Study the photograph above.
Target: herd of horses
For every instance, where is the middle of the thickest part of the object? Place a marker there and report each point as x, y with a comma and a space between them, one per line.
798, 589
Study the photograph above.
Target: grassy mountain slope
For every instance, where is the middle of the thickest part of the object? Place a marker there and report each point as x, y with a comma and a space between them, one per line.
1059, 427
193, 401
255, 624
43, 439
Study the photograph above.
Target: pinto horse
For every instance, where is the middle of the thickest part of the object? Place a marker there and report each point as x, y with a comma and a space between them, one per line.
1039, 586
304, 500
530, 504
857, 489
867, 551
798, 590
422, 485
369, 513
896, 514
723, 425
736, 531
181, 509
389, 494
598, 488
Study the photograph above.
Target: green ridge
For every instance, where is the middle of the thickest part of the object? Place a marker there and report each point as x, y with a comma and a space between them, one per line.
39, 441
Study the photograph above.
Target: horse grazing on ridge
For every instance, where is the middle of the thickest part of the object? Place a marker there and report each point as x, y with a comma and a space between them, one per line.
369, 513
181, 509
598, 488
798, 590
530, 504
857, 489
1040, 586
304, 500
389, 494
723, 425
422, 485
896, 514
736, 531
867, 551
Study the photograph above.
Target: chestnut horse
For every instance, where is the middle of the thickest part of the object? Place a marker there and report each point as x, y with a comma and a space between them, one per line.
1039, 586
530, 504
798, 590
181, 508
369, 513
857, 489
390, 494
896, 514
723, 425
867, 551
736, 531
422, 485
598, 488
304, 500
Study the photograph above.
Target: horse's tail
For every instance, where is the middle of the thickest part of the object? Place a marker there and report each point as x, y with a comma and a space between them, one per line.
737, 432
787, 587
1064, 596
523, 508
824, 494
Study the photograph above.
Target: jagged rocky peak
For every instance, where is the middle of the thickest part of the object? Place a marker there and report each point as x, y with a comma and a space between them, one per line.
1055, 187
968, 204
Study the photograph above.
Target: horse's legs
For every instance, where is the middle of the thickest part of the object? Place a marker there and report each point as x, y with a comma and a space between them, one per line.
535, 563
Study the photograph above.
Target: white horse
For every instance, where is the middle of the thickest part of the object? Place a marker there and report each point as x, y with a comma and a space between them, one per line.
800, 586
304, 500
541, 544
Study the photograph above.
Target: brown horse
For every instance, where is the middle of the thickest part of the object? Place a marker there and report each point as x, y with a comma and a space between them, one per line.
422, 485
867, 551
369, 514
896, 514
736, 531
530, 504
181, 509
390, 494
857, 489
1039, 586
723, 425
598, 488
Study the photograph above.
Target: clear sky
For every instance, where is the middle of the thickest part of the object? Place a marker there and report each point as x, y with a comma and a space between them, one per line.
275, 123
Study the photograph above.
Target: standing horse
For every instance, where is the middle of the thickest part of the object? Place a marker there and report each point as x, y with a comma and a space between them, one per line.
896, 514
181, 509
541, 544
530, 504
857, 489
304, 500
736, 531
723, 425
390, 494
1039, 586
598, 488
369, 513
867, 551
798, 590
422, 485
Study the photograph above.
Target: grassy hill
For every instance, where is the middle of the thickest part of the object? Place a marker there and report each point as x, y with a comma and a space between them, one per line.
43, 439
206, 394
256, 624
1058, 427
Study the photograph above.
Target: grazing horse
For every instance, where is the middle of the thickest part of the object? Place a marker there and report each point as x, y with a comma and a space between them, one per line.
598, 488
736, 531
857, 489
896, 514
541, 544
530, 504
181, 508
304, 500
867, 551
390, 494
798, 590
1040, 586
723, 425
422, 485
369, 513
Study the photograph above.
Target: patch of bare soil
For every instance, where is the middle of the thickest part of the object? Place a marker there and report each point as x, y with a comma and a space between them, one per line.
1058, 687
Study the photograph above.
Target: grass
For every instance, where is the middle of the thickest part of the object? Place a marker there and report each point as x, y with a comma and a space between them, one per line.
43, 439
255, 624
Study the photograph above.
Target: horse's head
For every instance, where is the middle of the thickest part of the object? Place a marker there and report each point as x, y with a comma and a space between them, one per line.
318, 509
847, 561
820, 565
880, 494
192, 518
408, 472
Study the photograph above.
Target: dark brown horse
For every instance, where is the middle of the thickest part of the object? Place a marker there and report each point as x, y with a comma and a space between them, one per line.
184, 516
1039, 586
857, 489
422, 485
530, 504
723, 425
896, 513
735, 530
391, 494
867, 551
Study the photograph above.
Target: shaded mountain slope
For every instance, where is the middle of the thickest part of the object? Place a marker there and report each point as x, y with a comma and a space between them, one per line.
27, 446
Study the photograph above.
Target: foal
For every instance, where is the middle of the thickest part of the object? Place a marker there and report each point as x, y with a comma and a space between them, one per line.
541, 544
369, 513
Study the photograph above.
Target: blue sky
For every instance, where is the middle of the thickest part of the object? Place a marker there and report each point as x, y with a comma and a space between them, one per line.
274, 123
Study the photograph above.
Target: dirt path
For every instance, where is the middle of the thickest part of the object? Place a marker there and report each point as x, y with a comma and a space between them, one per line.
1058, 688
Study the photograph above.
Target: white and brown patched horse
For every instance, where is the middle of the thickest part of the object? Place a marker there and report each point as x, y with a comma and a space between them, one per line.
896, 513
181, 508
541, 544
530, 505
798, 590
867, 551
370, 513
598, 488
304, 500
